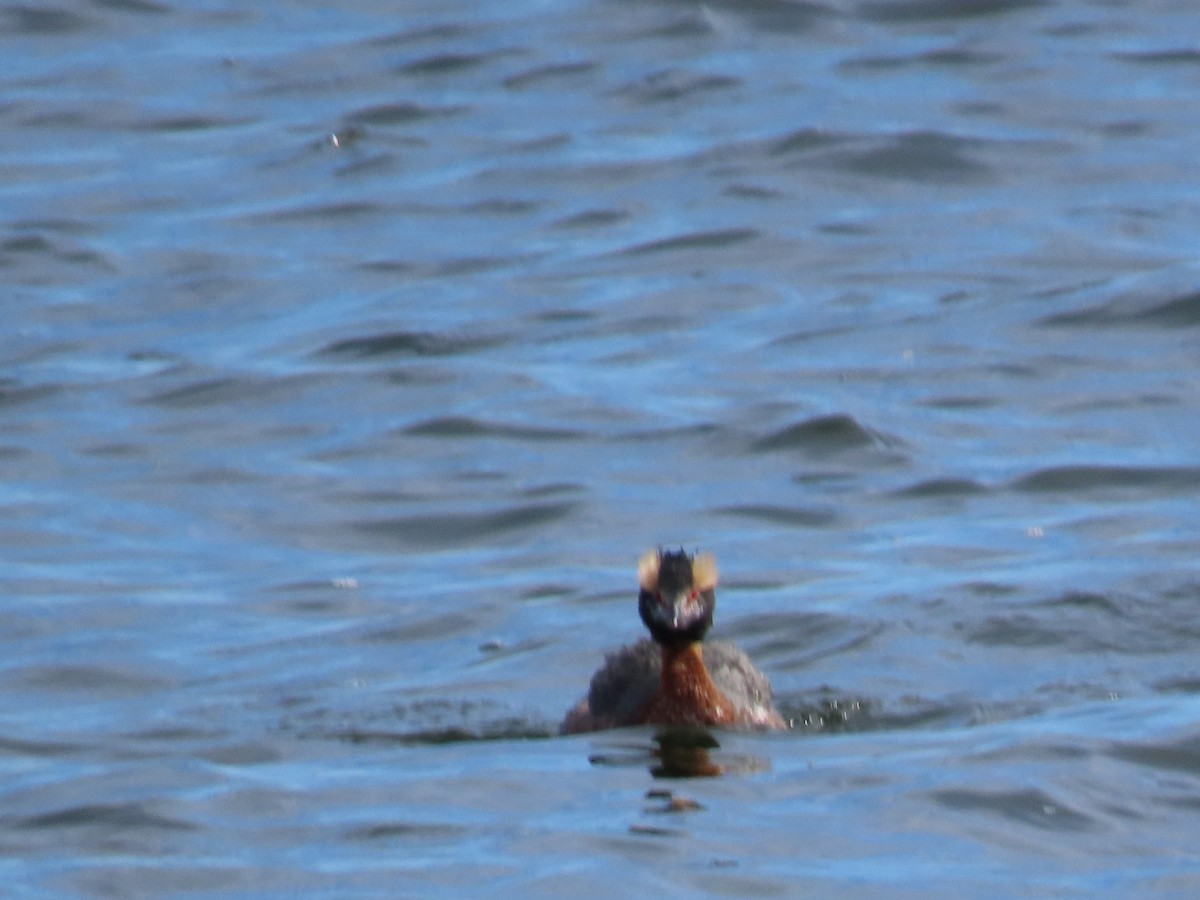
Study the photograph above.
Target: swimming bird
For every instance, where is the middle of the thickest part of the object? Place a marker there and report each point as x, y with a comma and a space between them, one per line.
675, 678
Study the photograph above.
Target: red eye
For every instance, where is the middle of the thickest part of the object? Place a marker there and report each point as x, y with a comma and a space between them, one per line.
694, 593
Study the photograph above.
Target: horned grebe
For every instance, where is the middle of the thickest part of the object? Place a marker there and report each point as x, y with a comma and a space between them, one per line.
681, 681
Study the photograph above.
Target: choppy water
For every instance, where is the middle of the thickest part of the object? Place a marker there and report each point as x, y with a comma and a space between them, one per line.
352, 355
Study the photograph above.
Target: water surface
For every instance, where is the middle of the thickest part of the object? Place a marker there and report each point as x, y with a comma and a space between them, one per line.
352, 356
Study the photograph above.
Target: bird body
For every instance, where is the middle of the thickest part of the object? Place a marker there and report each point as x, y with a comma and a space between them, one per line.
675, 678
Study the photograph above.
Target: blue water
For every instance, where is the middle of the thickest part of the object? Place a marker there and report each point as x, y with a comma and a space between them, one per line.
353, 353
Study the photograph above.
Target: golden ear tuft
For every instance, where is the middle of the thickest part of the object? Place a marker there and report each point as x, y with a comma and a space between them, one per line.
648, 570
704, 572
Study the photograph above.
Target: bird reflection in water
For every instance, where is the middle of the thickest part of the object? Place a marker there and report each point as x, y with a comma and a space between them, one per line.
682, 753
685, 753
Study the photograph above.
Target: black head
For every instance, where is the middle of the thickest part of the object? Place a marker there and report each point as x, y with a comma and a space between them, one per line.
678, 595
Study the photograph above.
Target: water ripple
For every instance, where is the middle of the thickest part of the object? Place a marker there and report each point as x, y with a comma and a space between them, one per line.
701, 240
451, 529
1083, 478
1029, 806
822, 436
453, 427
920, 156
120, 817
408, 343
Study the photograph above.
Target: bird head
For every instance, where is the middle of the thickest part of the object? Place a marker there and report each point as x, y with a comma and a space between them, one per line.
678, 595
